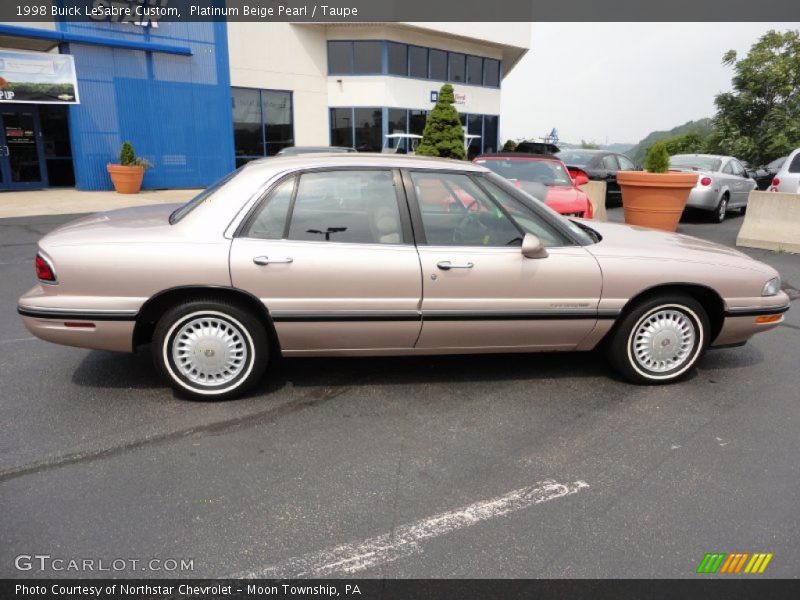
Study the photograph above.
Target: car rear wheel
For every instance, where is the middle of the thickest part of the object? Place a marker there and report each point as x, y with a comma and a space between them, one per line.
718, 216
210, 350
660, 339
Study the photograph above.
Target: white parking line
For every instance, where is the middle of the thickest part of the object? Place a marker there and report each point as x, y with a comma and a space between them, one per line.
27, 339
405, 540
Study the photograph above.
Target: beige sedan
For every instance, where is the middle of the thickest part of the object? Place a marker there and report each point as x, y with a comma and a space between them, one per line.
365, 255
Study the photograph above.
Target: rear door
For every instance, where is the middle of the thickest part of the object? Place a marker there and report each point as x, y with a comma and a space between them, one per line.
479, 292
330, 253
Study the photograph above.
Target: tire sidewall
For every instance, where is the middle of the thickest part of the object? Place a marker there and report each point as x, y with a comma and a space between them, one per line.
253, 335
620, 349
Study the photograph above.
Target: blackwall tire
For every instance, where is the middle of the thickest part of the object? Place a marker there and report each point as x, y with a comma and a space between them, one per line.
210, 350
660, 340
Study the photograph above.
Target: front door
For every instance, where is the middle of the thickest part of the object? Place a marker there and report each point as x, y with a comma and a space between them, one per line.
330, 255
479, 291
22, 164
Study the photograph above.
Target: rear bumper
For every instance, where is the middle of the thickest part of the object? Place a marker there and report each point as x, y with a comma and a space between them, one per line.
109, 330
703, 198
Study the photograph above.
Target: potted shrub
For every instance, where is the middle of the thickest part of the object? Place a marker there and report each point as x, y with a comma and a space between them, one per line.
127, 175
655, 197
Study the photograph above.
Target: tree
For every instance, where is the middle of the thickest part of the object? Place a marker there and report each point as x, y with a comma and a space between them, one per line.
688, 143
760, 119
590, 145
443, 135
509, 146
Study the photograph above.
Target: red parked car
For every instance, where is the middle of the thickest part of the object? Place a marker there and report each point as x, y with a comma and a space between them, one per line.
544, 177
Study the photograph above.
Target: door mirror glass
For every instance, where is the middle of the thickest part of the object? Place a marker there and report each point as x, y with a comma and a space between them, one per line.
532, 247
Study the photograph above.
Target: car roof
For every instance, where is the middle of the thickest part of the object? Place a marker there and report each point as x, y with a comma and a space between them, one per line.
360, 159
522, 155
719, 156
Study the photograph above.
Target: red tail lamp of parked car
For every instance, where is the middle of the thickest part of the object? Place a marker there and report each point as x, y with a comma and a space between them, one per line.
44, 269
705, 181
776, 182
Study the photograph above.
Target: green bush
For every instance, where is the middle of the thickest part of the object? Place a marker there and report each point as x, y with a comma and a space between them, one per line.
443, 135
657, 159
509, 146
128, 158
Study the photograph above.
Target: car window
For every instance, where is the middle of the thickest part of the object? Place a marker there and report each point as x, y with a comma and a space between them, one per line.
358, 207
794, 166
728, 168
456, 212
738, 168
610, 162
625, 163
270, 220
525, 218
548, 172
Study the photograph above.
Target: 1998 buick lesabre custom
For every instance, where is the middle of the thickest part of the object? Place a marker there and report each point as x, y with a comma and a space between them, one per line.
354, 254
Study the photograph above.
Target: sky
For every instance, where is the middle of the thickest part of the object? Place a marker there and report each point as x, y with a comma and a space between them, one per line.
617, 82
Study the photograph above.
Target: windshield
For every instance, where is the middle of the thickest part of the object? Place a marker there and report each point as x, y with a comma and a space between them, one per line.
197, 200
548, 172
696, 163
777, 163
576, 157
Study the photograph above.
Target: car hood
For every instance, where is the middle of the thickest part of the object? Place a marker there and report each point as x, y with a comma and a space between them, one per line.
137, 224
562, 198
641, 242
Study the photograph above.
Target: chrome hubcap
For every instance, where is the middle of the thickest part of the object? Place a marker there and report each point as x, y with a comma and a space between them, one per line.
723, 208
664, 340
209, 351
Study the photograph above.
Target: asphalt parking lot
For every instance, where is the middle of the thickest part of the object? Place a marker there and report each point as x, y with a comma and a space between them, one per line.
479, 466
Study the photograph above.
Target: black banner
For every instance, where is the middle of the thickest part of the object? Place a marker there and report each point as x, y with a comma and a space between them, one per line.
355, 11
734, 588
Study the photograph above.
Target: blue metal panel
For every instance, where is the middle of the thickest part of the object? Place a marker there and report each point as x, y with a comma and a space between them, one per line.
174, 109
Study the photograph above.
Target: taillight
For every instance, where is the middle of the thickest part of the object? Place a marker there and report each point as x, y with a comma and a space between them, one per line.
706, 181
776, 182
44, 269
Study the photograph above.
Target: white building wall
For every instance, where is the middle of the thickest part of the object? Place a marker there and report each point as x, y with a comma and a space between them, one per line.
293, 56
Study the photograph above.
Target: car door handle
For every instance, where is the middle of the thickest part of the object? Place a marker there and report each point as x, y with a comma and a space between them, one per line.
266, 260
446, 265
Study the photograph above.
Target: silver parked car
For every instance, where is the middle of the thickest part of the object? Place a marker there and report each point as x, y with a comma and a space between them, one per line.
722, 183
787, 179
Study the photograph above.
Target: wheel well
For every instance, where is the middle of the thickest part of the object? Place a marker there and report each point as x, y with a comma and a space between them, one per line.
152, 310
709, 299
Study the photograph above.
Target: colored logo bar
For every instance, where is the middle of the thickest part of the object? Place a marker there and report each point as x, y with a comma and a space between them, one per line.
733, 563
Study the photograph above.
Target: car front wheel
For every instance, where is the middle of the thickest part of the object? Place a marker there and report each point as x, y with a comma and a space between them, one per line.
660, 340
210, 350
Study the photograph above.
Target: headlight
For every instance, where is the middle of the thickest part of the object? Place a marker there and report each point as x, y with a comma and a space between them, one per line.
772, 287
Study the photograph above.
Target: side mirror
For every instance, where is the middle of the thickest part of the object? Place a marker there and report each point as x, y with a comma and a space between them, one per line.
532, 247
581, 180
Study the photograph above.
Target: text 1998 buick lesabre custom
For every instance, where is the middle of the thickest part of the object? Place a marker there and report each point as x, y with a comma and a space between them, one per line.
354, 254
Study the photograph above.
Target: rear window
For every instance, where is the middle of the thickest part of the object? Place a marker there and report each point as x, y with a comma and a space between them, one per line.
548, 172
696, 163
794, 167
184, 210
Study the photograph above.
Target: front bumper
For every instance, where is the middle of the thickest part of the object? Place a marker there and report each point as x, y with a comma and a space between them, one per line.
742, 323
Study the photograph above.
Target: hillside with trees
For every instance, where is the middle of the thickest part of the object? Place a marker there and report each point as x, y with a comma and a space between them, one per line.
691, 133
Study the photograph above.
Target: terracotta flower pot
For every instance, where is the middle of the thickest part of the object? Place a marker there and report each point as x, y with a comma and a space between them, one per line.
126, 180
655, 200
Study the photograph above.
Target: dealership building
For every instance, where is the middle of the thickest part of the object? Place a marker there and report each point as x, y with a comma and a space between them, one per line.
200, 99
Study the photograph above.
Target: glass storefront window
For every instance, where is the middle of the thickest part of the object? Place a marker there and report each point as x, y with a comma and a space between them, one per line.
278, 127
418, 62
263, 123
474, 70
340, 57
438, 65
368, 129
342, 127
490, 133
398, 58
456, 64
416, 121
491, 72
398, 123
367, 57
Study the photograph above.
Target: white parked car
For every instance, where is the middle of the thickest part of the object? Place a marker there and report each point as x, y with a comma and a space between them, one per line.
787, 179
